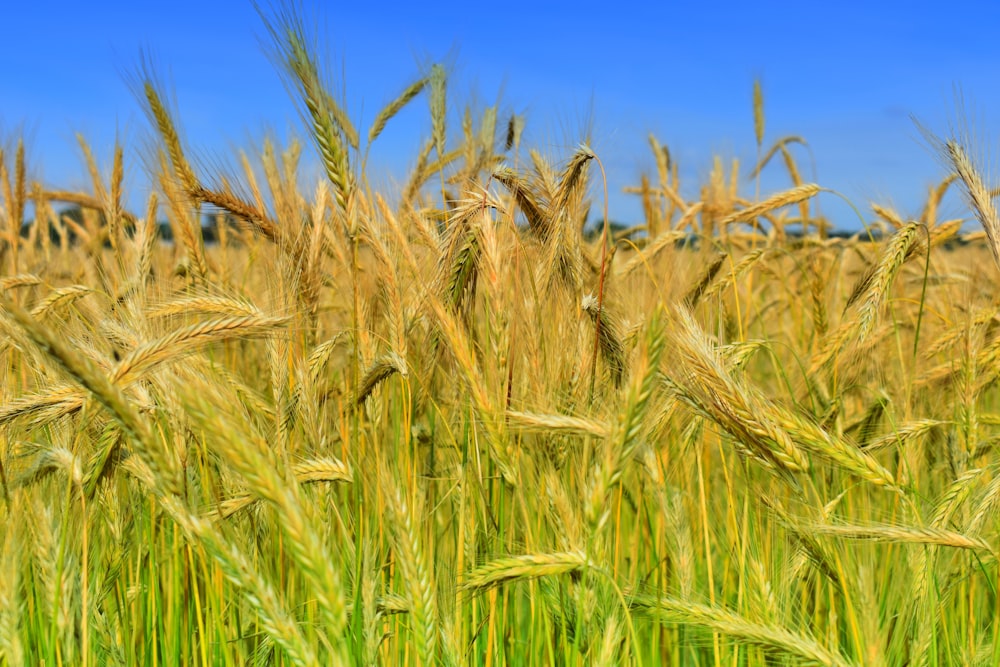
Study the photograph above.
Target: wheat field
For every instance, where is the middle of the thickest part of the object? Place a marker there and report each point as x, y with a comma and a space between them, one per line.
451, 424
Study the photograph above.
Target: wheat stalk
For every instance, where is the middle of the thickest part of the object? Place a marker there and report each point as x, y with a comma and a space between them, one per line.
252, 458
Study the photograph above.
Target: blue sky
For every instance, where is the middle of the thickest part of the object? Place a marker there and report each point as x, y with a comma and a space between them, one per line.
846, 76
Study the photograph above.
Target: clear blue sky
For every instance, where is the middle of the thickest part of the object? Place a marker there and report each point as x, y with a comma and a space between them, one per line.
844, 75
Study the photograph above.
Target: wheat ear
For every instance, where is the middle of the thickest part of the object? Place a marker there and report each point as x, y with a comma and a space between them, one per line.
83, 371
609, 337
382, 369
394, 107
976, 194
777, 638
519, 568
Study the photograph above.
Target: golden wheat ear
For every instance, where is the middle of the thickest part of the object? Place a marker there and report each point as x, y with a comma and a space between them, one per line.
438, 81
977, 194
380, 371
150, 91
957, 152
15, 198
329, 124
758, 113
609, 336
394, 107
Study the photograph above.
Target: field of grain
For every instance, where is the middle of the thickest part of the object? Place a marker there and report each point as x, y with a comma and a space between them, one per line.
445, 425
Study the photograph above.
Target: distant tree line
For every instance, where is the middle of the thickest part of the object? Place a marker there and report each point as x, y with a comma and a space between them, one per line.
74, 217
